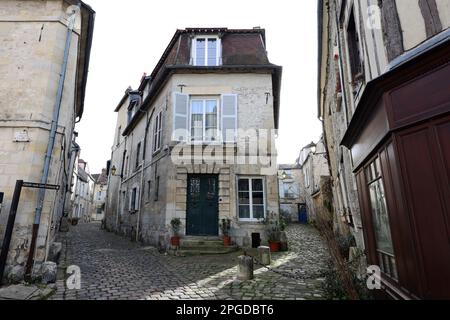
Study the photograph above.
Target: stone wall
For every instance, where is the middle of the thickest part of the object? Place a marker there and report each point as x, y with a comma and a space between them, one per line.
154, 215
32, 38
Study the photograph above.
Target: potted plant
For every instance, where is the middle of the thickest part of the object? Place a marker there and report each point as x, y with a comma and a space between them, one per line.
175, 224
273, 232
225, 225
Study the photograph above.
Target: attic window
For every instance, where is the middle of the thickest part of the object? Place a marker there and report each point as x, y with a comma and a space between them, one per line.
206, 51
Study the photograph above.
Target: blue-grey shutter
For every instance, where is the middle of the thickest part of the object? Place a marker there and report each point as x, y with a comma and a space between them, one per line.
180, 117
229, 103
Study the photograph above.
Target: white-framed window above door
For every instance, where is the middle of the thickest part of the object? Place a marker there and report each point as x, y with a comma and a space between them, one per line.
207, 119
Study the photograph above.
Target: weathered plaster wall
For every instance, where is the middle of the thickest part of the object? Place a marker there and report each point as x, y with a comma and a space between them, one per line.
32, 38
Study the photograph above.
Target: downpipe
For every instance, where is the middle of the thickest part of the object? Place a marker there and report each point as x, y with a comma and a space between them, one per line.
50, 145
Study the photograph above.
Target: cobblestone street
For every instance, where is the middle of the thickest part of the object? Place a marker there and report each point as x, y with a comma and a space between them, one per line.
112, 267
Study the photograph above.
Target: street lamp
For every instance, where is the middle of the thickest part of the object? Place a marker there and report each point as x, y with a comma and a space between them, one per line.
283, 175
113, 170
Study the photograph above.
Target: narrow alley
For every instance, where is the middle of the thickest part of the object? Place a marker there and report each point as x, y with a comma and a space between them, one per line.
115, 268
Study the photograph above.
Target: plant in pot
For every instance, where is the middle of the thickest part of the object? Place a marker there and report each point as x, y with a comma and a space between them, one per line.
225, 225
175, 224
273, 232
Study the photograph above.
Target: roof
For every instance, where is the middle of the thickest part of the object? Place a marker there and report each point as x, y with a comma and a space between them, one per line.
243, 50
101, 178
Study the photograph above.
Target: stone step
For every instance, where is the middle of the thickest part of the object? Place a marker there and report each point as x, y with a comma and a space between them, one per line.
201, 251
200, 243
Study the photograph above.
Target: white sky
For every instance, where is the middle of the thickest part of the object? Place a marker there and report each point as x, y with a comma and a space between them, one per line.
130, 37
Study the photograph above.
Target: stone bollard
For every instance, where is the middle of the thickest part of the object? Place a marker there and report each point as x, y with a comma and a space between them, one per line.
245, 268
264, 255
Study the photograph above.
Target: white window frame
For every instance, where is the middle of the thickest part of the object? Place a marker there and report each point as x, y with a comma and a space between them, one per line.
136, 200
218, 50
218, 132
250, 178
157, 133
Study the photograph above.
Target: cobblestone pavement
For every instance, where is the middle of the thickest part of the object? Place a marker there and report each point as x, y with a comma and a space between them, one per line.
115, 268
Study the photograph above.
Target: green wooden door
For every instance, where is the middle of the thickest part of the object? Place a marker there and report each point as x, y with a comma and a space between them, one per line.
202, 205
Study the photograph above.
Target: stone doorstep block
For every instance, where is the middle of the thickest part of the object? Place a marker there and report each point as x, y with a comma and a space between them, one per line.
18, 292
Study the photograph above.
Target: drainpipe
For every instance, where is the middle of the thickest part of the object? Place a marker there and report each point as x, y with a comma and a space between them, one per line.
51, 143
142, 172
74, 152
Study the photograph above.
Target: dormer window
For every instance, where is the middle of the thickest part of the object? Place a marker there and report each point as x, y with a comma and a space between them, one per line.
206, 51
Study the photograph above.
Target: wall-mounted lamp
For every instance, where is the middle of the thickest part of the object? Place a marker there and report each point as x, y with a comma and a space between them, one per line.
113, 170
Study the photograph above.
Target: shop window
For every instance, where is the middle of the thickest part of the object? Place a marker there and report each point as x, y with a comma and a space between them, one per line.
380, 219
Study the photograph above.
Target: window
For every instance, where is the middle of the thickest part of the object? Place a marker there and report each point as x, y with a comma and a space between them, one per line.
288, 190
119, 131
134, 200
156, 188
204, 119
99, 210
380, 219
149, 188
132, 110
138, 155
353, 49
126, 166
99, 195
251, 198
157, 132
307, 178
201, 119
206, 51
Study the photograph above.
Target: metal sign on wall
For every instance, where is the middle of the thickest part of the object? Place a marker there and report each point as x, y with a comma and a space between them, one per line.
21, 136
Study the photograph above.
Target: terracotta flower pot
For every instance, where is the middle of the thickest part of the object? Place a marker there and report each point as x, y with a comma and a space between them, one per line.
274, 246
175, 241
226, 241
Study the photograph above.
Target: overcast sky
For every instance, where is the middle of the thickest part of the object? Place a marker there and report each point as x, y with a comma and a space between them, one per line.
130, 37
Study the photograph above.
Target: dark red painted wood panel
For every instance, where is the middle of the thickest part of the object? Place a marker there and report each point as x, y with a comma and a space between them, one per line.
427, 209
421, 98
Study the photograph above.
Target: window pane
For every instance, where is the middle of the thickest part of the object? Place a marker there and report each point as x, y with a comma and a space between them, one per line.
257, 184
258, 198
197, 119
244, 198
244, 212
212, 51
200, 52
243, 185
380, 217
211, 120
258, 212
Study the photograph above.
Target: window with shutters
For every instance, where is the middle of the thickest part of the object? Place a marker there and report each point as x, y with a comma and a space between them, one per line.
157, 132
204, 119
206, 51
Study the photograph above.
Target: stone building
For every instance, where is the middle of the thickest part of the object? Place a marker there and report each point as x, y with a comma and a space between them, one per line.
41, 97
291, 199
195, 141
99, 196
314, 177
82, 193
384, 100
